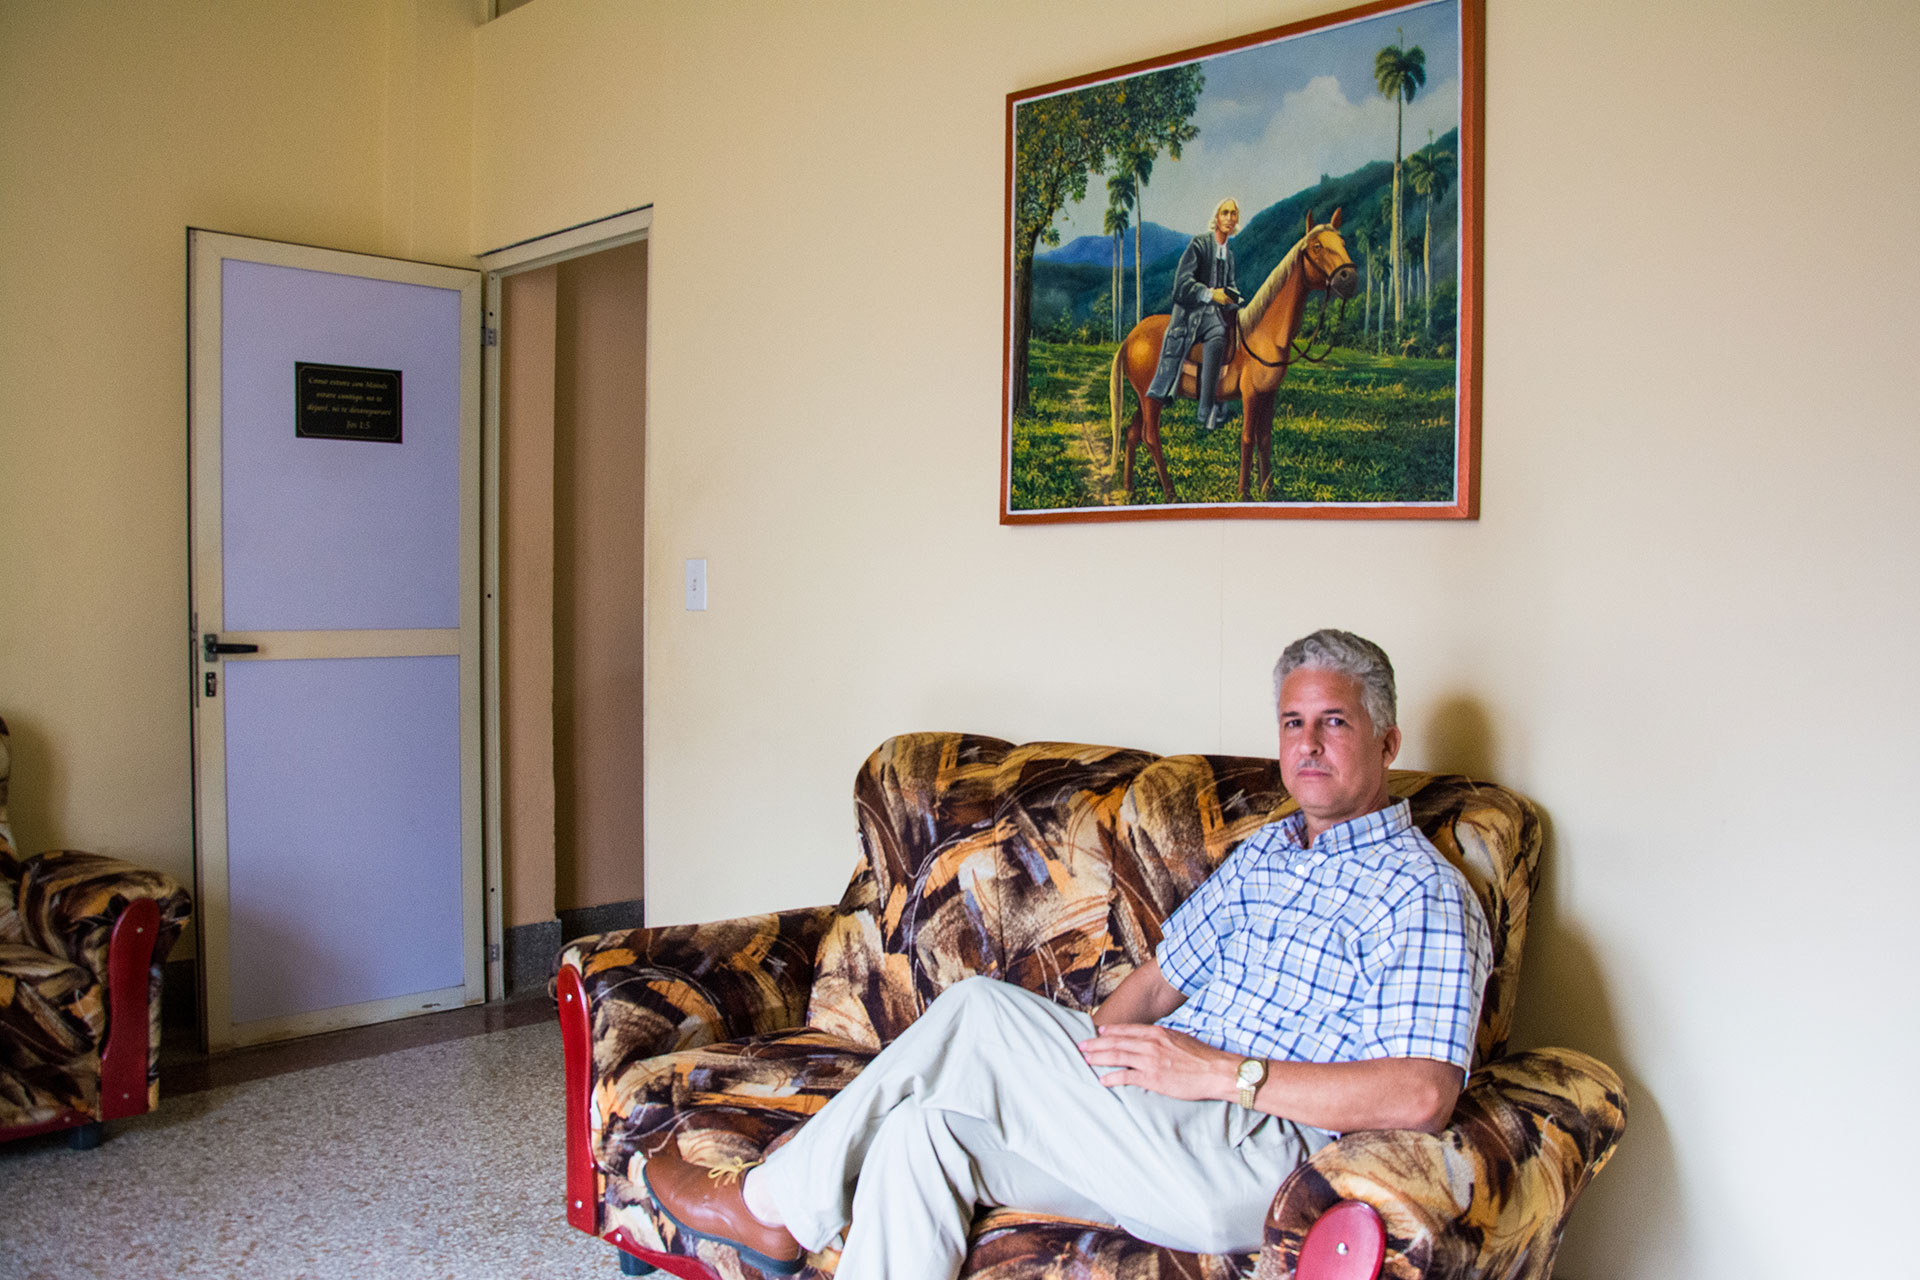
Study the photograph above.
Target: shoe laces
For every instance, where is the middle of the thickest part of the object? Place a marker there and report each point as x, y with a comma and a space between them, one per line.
730, 1170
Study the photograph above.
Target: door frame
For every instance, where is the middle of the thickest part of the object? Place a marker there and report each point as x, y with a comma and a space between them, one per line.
531, 254
206, 251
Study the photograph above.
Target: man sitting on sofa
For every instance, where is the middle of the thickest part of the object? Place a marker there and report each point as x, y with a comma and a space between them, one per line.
1327, 977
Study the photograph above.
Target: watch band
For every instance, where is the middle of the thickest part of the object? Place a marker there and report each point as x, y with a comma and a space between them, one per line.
1248, 1079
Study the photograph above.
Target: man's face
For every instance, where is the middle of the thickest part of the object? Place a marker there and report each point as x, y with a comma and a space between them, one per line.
1330, 758
1227, 221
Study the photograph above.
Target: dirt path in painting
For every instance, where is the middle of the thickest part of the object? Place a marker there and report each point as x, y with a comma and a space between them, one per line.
1096, 436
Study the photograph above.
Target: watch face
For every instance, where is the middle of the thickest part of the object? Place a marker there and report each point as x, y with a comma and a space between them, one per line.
1249, 1072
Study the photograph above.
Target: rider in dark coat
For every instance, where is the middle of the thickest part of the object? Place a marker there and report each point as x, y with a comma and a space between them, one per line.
1203, 286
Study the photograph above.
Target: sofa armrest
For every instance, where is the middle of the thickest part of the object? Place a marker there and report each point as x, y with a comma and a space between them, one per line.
69, 902
1489, 1196
654, 991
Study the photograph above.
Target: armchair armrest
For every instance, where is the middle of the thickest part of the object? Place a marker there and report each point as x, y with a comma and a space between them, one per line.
654, 991
1489, 1196
69, 902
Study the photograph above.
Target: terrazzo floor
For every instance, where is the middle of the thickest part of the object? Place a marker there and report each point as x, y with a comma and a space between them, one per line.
442, 1160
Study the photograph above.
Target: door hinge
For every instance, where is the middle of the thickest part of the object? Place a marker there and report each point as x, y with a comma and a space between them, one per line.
493, 952
489, 336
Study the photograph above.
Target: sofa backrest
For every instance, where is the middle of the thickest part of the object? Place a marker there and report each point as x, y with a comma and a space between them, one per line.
1052, 865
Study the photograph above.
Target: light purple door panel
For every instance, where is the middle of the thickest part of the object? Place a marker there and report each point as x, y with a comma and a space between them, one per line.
338, 534
344, 860
343, 825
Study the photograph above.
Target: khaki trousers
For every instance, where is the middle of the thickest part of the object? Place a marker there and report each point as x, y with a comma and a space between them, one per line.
985, 1100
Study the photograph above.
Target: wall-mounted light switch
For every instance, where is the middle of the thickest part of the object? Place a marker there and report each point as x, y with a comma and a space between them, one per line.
697, 584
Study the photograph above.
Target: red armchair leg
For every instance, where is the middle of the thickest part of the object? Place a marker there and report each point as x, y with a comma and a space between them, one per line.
1349, 1242
576, 1039
123, 1063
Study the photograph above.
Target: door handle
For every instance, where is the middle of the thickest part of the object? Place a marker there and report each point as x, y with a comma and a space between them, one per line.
212, 648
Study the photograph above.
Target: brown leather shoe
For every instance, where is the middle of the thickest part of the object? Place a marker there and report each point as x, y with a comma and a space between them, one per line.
708, 1203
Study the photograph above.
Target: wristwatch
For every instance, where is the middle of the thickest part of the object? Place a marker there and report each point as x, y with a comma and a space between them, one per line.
1251, 1075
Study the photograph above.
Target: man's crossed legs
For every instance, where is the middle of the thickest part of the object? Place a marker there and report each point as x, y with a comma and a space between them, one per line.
986, 1100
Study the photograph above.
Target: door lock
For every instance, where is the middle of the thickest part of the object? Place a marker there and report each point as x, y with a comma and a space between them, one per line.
212, 648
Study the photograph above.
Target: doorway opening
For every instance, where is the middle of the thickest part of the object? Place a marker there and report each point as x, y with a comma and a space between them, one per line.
567, 598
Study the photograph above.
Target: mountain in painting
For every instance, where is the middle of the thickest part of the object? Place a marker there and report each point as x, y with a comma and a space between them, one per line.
1156, 242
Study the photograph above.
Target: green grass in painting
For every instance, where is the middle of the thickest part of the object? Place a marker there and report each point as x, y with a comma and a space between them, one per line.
1053, 465
1359, 428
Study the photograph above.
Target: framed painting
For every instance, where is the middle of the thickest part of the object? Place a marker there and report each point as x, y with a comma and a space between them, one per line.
1243, 280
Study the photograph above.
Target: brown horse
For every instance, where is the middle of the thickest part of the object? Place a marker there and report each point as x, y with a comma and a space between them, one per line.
1268, 326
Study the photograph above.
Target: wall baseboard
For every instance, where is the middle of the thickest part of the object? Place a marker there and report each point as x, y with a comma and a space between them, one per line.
529, 955
578, 922
533, 948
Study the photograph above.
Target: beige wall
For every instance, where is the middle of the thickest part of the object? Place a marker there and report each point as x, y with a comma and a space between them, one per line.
1683, 623
346, 124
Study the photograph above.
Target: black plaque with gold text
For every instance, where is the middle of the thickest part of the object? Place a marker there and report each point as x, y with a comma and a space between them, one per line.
335, 402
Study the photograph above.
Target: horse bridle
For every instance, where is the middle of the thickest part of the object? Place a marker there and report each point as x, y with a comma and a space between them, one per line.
1296, 348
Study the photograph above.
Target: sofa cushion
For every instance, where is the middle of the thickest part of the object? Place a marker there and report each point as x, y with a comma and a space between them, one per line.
721, 1100
51, 1010
1180, 818
1009, 1244
977, 857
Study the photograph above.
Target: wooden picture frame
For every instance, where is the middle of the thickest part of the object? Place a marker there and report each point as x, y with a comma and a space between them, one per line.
1360, 407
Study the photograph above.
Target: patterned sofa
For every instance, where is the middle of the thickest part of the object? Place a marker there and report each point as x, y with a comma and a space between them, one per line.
1050, 865
82, 939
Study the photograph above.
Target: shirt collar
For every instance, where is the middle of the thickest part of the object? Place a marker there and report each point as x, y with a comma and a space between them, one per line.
1355, 833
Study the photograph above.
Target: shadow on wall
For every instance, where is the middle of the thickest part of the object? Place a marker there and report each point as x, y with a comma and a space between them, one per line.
1636, 1206
1459, 739
35, 785
1636, 1203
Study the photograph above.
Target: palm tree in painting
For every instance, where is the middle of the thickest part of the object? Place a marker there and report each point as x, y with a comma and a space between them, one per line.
1415, 251
1119, 202
1429, 173
1138, 163
1363, 241
1399, 72
1372, 230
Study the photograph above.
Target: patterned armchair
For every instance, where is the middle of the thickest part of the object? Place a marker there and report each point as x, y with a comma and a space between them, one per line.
82, 938
1052, 866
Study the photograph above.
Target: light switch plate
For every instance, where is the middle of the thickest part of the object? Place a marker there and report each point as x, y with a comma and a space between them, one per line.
697, 584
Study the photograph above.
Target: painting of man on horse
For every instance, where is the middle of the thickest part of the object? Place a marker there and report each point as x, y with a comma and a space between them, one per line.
1342, 385
1270, 321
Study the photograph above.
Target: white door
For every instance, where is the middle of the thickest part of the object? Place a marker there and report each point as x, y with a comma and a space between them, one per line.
334, 473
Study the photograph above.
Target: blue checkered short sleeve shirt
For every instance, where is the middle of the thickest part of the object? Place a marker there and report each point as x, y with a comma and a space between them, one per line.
1370, 944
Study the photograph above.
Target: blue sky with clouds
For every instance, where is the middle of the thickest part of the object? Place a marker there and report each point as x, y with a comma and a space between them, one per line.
1274, 117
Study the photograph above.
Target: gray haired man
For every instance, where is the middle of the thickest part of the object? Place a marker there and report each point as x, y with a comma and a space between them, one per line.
1326, 977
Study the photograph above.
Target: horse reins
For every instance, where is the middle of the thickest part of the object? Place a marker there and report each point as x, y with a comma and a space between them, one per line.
1296, 349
